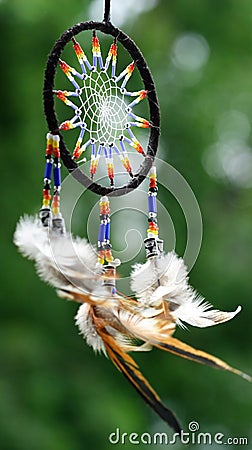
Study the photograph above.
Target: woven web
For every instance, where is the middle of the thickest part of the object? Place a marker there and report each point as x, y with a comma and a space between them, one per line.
102, 108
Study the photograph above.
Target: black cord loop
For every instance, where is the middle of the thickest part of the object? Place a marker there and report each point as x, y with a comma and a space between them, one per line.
107, 28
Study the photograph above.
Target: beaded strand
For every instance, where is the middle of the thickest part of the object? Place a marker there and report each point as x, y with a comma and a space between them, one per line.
45, 211
153, 245
104, 246
58, 223
50, 211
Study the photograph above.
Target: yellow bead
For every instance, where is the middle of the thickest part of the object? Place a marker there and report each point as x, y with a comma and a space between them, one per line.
152, 231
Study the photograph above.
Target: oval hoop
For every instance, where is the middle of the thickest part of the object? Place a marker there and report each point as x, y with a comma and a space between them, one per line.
52, 120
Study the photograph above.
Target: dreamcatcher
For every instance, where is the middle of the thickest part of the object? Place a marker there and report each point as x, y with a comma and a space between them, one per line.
102, 110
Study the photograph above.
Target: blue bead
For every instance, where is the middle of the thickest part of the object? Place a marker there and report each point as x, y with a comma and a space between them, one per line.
152, 203
100, 62
93, 149
107, 231
101, 234
57, 178
82, 133
48, 170
106, 152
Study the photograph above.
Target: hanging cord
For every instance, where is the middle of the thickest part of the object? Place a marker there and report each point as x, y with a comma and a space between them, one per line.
106, 17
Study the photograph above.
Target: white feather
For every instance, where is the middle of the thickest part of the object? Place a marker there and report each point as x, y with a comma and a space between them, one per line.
68, 261
63, 261
198, 313
165, 278
84, 322
144, 277
161, 277
30, 237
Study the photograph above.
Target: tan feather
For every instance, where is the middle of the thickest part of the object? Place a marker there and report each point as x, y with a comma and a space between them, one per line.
179, 348
130, 370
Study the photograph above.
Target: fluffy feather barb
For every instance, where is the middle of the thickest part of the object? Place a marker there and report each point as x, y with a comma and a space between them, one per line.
62, 261
198, 313
165, 276
84, 322
30, 237
165, 279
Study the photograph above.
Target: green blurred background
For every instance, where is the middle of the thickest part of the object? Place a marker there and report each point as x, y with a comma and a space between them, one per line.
55, 394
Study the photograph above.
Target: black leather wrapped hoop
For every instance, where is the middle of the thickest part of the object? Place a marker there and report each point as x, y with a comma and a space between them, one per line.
105, 27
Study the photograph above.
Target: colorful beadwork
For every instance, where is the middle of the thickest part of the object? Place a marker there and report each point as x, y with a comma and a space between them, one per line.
51, 211
81, 56
45, 211
153, 245
96, 49
104, 246
101, 108
112, 54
